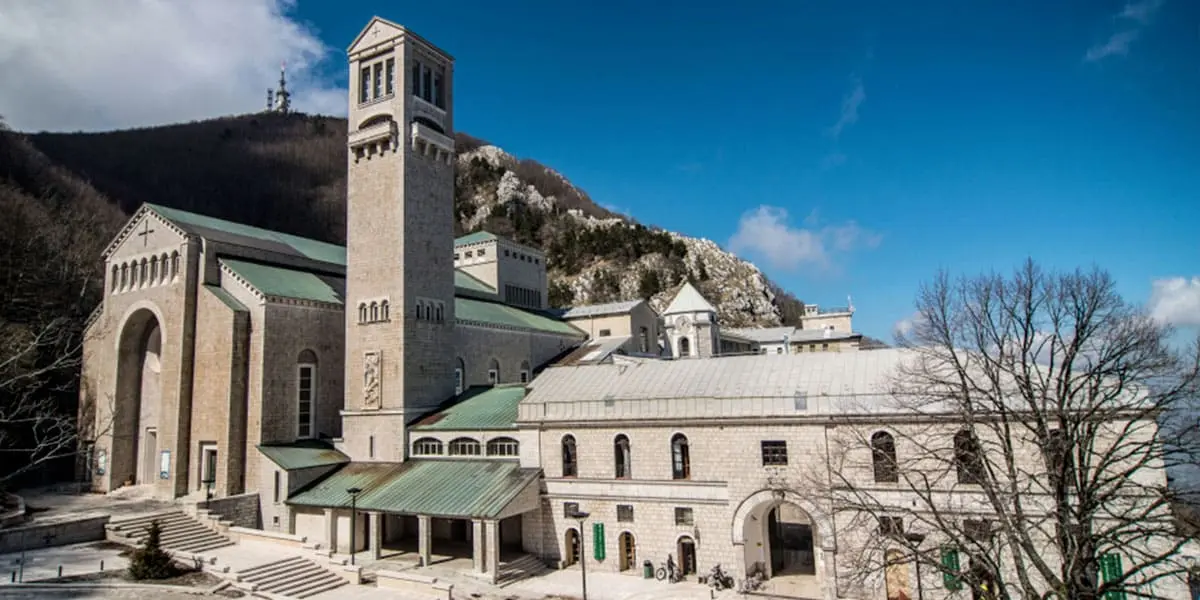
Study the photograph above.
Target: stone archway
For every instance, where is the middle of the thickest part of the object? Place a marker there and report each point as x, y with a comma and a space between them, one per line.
138, 400
787, 539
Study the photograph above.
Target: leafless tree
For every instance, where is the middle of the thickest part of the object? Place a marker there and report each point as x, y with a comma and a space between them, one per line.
34, 426
1029, 425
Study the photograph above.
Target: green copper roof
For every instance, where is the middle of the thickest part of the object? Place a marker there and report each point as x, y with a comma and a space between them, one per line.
478, 408
471, 238
478, 489
495, 313
468, 282
229, 232
225, 297
288, 283
303, 454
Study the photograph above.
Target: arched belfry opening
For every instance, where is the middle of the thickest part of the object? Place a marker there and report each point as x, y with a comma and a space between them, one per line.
137, 405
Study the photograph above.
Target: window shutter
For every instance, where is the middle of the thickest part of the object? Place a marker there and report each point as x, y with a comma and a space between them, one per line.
1110, 569
598, 540
950, 569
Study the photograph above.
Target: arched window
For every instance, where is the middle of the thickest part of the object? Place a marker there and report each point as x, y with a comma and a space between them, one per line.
503, 447
124, 276
685, 347
465, 447
494, 372
427, 446
144, 273
968, 460
644, 340
420, 310
164, 268
306, 393
460, 376
570, 464
174, 265
524, 371
374, 311
362, 312
384, 309
681, 462
115, 279
441, 315
883, 457
153, 270
622, 457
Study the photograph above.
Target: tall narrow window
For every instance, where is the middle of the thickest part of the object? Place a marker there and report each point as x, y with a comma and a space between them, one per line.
427, 84
439, 90
416, 80
364, 85
570, 466
644, 340
384, 308
306, 387
389, 78
685, 347
362, 312
494, 372
377, 81
524, 371
622, 457
114, 282
681, 462
460, 374
276, 495
374, 311
968, 460
1060, 463
883, 457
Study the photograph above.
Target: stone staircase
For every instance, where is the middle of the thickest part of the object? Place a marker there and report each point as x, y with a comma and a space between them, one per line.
294, 577
519, 569
180, 532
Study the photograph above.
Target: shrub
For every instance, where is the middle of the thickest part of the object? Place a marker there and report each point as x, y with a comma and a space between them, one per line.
151, 561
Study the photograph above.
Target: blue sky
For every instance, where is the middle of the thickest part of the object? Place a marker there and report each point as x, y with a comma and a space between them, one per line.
847, 148
886, 140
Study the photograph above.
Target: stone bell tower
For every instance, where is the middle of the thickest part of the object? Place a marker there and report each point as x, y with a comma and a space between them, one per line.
399, 238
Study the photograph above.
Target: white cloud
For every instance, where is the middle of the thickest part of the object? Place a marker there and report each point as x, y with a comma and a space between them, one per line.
765, 233
904, 326
850, 103
91, 65
1119, 42
1176, 300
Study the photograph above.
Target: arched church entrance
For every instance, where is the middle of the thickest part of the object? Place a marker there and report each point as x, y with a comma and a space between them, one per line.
136, 410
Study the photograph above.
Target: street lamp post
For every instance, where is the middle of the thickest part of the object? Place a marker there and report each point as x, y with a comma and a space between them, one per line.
915, 539
354, 492
581, 517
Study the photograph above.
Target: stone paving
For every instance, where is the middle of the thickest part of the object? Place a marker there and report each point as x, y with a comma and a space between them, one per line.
75, 559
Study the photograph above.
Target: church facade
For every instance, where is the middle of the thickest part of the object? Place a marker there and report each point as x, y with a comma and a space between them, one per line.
424, 380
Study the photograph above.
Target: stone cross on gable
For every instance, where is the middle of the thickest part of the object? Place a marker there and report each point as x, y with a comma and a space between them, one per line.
145, 232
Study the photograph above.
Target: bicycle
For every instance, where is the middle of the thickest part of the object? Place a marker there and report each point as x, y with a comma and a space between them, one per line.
668, 572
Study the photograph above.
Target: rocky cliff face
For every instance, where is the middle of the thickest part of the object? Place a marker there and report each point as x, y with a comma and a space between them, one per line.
595, 256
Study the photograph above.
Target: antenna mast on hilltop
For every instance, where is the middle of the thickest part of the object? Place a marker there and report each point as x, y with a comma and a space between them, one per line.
280, 100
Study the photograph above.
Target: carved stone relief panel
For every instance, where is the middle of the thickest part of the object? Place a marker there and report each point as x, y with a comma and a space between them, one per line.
372, 379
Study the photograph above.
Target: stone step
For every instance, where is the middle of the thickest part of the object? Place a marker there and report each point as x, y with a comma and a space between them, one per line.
271, 566
331, 585
294, 577
206, 545
303, 586
146, 518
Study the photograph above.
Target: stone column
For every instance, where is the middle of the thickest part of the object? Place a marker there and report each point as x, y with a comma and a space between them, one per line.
492, 551
477, 551
424, 538
331, 529
375, 540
